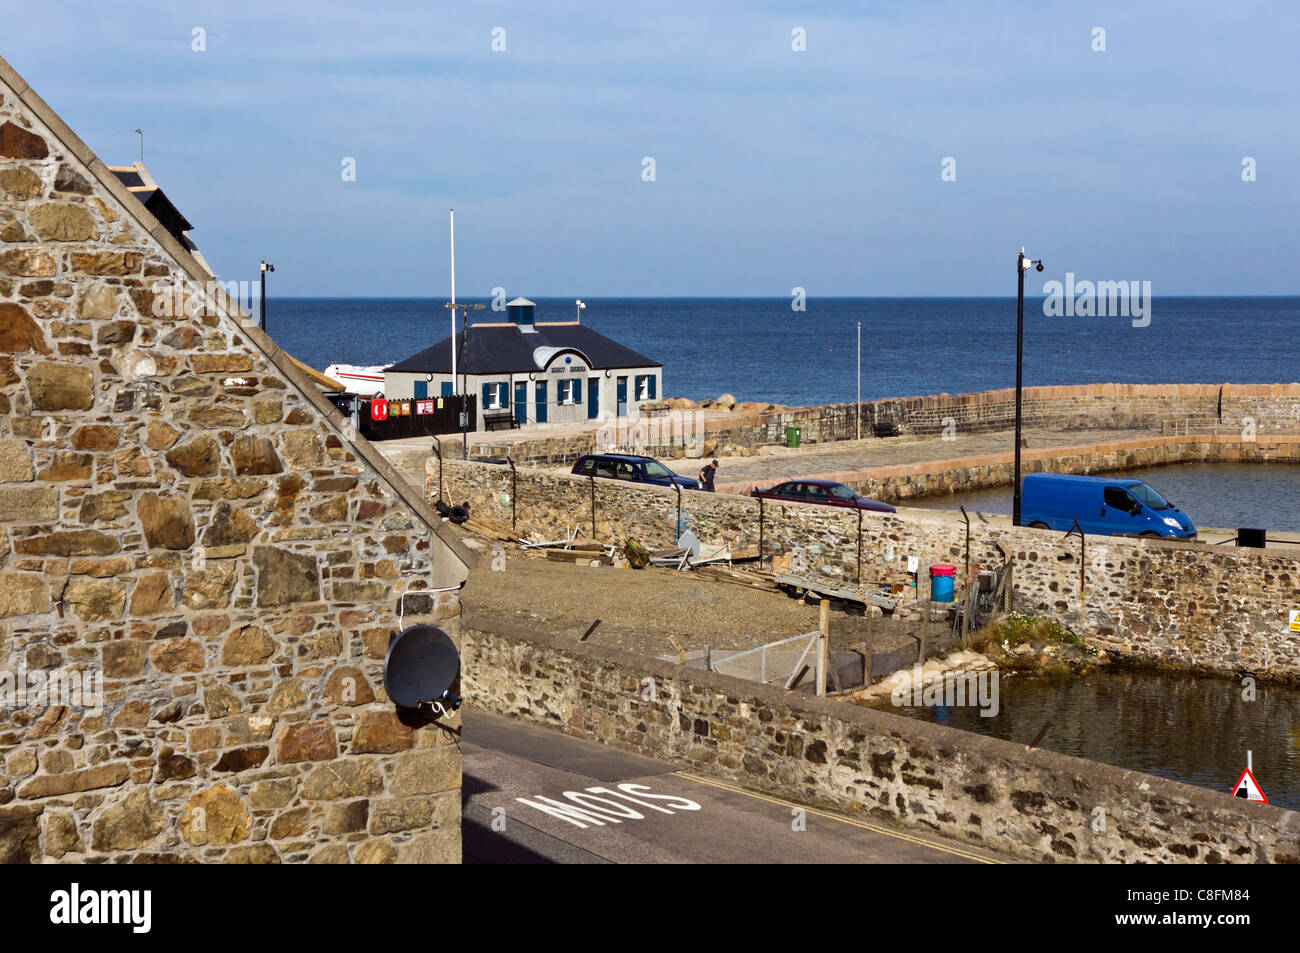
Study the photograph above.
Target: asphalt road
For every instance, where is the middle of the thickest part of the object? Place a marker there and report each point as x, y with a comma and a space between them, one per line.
516, 811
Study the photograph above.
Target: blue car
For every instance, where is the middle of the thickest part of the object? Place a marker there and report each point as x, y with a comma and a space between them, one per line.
1103, 505
633, 468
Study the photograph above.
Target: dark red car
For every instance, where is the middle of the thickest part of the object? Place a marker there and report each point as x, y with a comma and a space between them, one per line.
826, 492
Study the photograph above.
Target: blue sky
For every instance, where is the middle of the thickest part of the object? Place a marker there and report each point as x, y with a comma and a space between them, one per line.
774, 168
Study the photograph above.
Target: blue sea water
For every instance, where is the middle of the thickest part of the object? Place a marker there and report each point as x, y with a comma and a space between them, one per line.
759, 349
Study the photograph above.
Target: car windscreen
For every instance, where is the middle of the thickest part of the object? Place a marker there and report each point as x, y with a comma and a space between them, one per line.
1150, 497
843, 493
656, 469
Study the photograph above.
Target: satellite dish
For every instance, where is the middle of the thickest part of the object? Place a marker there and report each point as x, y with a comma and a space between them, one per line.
421, 666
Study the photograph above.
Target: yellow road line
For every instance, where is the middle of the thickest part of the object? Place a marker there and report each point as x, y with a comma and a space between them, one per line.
958, 852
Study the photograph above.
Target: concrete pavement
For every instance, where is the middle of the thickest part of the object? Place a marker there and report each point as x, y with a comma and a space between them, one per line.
528, 798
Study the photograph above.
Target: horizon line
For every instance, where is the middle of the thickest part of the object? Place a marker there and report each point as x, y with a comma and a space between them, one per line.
739, 297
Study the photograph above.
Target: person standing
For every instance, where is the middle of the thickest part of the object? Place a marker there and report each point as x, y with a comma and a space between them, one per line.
706, 476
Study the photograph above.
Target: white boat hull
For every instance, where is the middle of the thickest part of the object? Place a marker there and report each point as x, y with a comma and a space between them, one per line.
365, 381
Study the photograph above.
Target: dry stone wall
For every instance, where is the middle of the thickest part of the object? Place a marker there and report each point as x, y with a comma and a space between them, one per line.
1037, 805
193, 544
1185, 606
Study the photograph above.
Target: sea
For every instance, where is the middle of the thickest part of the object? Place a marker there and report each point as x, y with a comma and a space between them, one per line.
760, 349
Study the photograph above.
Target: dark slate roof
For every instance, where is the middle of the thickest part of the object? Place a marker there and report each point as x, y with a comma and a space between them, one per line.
128, 177
151, 197
497, 349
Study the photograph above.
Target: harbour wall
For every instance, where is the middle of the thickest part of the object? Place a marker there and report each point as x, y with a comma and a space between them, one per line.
1035, 804
911, 481
1182, 606
1190, 407
1244, 409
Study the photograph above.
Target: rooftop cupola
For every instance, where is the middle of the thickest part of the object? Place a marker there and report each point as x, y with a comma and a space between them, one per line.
520, 312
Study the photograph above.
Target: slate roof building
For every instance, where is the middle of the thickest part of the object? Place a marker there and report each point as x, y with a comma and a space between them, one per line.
141, 184
538, 372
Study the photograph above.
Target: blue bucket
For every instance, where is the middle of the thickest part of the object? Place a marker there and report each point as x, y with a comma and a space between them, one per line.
941, 582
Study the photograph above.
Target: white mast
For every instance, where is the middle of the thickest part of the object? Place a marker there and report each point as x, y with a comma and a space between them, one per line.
451, 214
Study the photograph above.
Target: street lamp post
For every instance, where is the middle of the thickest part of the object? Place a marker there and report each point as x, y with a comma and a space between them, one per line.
262, 312
464, 414
1022, 265
581, 307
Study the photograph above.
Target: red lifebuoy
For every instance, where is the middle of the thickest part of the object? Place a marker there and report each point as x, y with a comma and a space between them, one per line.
379, 409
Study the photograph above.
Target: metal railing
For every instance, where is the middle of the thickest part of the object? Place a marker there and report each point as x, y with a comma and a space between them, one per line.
769, 669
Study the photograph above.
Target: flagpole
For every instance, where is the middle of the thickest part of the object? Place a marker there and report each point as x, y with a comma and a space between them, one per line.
451, 215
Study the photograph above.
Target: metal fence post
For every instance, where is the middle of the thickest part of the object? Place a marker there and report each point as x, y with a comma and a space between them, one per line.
677, 532
859, 546
823, 640
514, 494
437, 448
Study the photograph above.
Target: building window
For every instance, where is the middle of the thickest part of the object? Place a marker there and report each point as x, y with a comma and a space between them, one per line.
645, 387
496, 395
569, 392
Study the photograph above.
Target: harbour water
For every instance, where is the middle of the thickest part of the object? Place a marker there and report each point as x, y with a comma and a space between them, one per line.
1186, 729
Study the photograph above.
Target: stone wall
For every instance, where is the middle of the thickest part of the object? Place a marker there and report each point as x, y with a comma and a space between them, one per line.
1243, 409
1263, 407
1186, 606
912, 481
194, 539
674, 434
1037, 805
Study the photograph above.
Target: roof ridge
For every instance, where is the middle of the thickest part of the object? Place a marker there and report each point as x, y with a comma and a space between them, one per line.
263, 343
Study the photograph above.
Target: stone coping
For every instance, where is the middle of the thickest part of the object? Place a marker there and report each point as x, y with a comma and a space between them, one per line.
271, 351
1283, 820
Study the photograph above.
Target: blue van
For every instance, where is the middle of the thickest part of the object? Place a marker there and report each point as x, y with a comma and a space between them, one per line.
1102, 505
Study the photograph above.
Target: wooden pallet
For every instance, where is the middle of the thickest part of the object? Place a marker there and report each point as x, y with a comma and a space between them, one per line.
578, 556
489, 529
830, 589
723, 574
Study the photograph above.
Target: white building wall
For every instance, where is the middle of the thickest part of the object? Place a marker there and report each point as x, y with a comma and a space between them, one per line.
401, 386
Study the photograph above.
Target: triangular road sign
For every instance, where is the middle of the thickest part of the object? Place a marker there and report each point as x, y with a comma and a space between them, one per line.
1247, 787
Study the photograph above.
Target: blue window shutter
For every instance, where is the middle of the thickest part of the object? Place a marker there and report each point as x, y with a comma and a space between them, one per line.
576, 389
487, 395
653, 387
